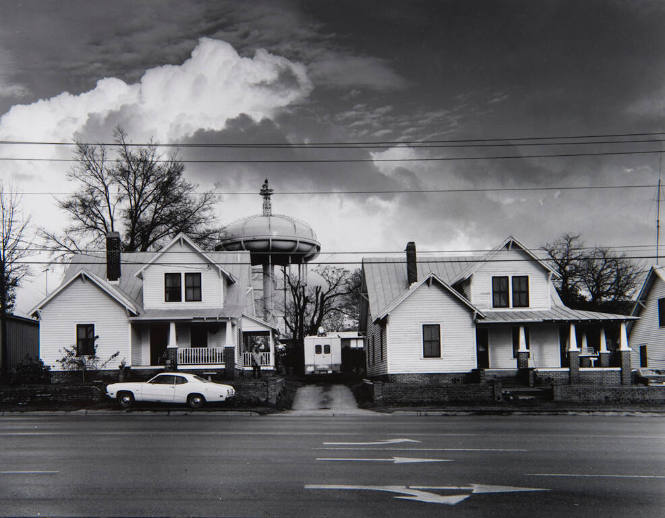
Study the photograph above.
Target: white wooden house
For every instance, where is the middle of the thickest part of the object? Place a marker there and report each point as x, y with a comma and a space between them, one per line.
141, 304
647, 335
451, 315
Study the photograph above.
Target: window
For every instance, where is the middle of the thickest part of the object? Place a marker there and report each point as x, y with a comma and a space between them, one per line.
172, 288
661, 312
163, 379
431, 341
192, 287
521, 291
317, 349
326, 349
516, 340
85, 339
199, 336
179, 380
644, 362
500, 292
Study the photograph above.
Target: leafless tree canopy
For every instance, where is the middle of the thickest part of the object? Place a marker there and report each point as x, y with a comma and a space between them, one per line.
592, 278
329, 304
135, 192
14, 247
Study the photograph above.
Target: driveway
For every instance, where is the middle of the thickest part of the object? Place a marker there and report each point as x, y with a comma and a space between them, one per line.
325, 399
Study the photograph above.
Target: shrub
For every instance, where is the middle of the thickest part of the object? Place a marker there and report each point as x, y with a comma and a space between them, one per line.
30, 371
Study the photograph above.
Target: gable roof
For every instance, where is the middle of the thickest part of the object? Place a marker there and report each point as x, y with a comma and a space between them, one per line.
237, 264
179, 239
655, 273
508, 243
107, 288
416, 285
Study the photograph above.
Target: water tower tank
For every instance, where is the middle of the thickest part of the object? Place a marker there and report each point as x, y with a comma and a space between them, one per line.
271, 239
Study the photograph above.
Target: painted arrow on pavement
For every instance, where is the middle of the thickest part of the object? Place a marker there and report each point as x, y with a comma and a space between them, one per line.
419, 493
387, 441
394, 460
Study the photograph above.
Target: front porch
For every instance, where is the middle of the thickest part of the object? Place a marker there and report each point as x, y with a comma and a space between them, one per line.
193, 344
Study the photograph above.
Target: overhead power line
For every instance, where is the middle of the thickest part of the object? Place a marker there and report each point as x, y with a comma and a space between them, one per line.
352, 160
397, 191
541, 139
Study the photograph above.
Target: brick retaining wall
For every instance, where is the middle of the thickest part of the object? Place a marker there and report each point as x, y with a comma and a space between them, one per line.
605, 394
408, 393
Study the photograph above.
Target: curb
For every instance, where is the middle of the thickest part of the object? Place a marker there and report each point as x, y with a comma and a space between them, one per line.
10, 413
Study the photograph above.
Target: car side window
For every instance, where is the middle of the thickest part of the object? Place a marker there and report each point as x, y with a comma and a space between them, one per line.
179, 380
164, 379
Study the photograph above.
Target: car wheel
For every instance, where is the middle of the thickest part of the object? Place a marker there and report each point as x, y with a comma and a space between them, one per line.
125, 399
195, 400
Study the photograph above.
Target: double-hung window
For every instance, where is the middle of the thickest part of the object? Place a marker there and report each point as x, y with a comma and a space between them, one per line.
521, 291
500, 292
192, 287
431, 341
85, 339
172, 288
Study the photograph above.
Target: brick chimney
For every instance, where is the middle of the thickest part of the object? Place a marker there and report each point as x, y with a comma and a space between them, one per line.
113, 256
411, 266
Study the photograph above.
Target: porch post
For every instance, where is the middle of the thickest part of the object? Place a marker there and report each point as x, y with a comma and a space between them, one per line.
585, 362
172, 349
522, 351
229, 351
604, 353
228, 336
624, 351
573, 356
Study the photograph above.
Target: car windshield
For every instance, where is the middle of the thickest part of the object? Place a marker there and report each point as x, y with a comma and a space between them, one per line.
199, 378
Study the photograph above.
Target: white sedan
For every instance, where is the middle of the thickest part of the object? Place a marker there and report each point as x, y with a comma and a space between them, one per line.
171, 387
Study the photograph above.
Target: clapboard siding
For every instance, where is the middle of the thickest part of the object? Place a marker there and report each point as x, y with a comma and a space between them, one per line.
646, 331
376, 349
83, 303
180, 258
543, 341
510, 263
431, 304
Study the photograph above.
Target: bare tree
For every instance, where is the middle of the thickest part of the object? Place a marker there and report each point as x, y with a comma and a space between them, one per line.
135, 192
566, 255
593, 279
13, 248
331, 304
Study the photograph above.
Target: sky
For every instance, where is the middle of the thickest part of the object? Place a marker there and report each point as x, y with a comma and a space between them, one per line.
353, 71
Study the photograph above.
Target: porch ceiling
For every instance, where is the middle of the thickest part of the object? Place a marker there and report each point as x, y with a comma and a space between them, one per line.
182, 314
555, 314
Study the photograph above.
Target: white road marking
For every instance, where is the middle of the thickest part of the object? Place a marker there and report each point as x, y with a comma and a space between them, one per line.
592, 476
28, 472
387, 441
422, 493
429, 449
394, 460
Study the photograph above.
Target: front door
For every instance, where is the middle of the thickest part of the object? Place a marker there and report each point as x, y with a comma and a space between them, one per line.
159, 338
482, 348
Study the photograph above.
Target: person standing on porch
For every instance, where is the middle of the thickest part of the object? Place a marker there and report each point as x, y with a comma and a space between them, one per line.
256, 362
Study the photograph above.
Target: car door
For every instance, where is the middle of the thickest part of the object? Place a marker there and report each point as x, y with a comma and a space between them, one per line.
160, 388
183, 387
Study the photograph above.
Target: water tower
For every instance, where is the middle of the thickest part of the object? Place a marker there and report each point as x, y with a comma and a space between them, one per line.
272, 240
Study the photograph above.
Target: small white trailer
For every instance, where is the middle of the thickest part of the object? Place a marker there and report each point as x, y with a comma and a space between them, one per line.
323, 354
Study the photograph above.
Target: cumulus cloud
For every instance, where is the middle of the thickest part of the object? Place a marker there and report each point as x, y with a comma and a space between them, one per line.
171, 101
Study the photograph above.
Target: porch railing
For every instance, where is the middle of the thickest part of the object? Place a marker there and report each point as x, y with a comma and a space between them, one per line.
200, 355
266, 360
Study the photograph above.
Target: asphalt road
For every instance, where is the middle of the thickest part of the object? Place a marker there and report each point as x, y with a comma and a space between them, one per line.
296, 466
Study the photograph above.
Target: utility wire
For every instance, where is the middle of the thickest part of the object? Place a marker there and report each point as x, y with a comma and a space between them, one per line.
393, 191
337, 143
353, 160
